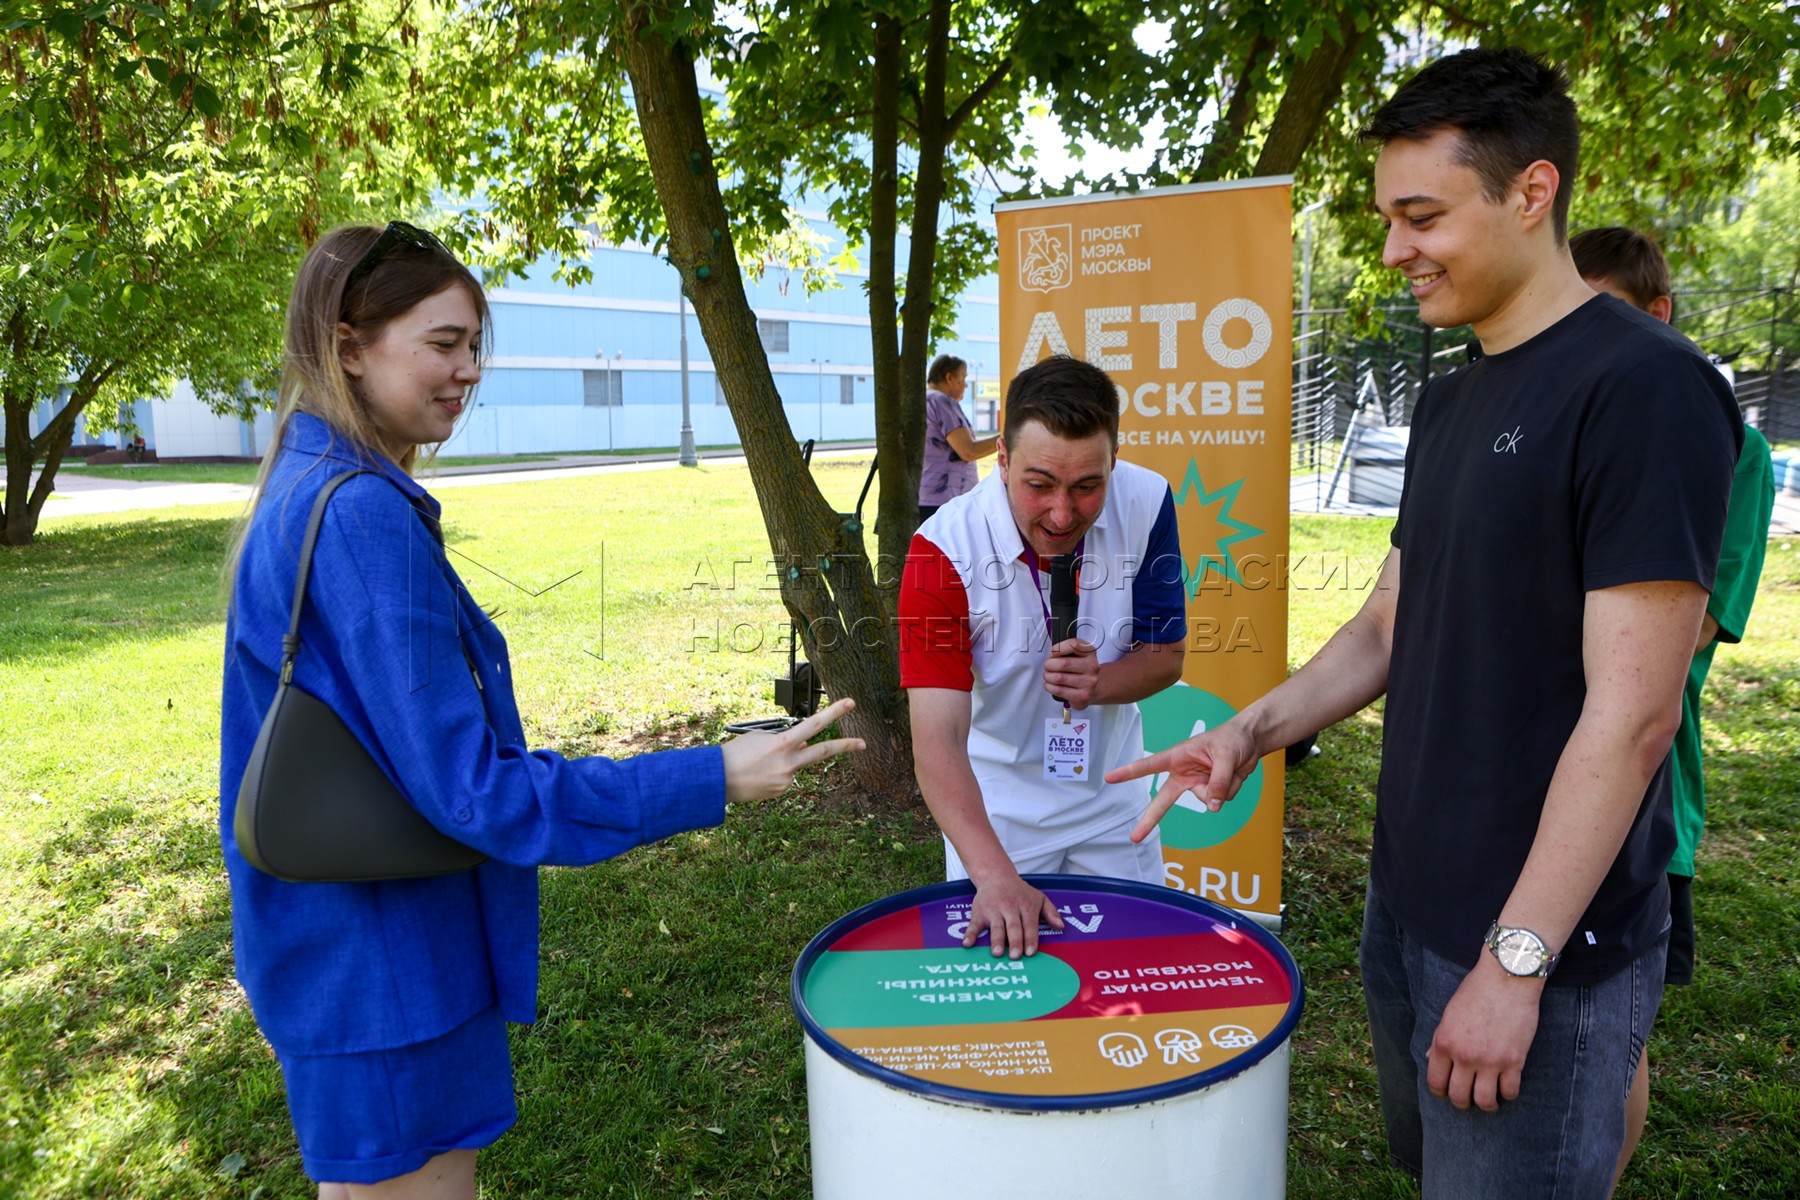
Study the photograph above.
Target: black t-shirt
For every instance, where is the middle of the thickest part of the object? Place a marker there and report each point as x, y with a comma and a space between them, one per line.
1596, 454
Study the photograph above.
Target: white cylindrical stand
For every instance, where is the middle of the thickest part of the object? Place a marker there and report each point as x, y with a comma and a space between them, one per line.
1142, 1055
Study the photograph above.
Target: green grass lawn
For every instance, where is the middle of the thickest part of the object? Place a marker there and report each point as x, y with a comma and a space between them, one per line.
1311, 458
665, 1062
246, 472
162, 472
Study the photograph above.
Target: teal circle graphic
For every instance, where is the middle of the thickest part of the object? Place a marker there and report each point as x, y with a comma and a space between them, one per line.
900, 989
1174, 715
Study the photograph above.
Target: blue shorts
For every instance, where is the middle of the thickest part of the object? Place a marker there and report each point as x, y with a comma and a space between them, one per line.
363, 1118
1560, 1139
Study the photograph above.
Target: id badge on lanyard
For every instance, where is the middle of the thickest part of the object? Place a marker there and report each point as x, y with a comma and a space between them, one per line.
1066, 746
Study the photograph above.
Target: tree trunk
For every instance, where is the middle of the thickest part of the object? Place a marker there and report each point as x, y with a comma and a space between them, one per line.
898, 407
915, 314
826, 579
1312, 90
16, 523
23, 507
900, 410
1228, 134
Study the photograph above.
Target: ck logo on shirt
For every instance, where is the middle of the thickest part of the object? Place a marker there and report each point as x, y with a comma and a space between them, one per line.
1508, 443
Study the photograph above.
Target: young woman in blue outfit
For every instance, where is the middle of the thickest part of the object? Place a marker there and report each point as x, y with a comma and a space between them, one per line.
387, 1002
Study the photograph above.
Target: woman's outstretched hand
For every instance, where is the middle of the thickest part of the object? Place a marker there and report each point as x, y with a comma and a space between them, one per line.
761, 765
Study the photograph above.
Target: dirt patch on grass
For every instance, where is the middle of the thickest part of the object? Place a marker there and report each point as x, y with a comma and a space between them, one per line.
831, 786
1721, 843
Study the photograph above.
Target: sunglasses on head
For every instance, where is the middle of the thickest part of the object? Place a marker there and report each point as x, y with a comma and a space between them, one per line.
397, 233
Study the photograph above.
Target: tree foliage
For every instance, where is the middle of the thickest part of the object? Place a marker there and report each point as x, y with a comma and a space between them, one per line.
1753, 238
160, 171
1738, 291
151, 155
881, 112
900, 160
1678, 102
550, 115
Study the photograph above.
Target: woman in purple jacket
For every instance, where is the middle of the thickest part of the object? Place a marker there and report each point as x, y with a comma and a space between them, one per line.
386, 1002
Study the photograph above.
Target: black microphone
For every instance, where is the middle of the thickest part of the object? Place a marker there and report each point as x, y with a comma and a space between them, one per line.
1065, 603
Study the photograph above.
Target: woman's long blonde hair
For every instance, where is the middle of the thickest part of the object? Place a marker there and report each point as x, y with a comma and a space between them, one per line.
312, 373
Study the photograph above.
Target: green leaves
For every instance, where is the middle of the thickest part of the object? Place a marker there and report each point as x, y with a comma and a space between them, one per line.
159, 178
206, 99
68, 24
57, 309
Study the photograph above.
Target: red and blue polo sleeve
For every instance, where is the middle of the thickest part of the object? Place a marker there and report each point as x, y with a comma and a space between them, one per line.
935, 647
1158, 590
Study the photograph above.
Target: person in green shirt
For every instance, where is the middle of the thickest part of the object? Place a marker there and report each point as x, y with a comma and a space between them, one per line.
1626, 264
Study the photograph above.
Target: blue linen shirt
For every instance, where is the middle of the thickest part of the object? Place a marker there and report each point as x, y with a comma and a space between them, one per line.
394, 643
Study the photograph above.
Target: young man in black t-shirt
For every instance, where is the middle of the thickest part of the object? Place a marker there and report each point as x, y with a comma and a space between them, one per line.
1560, 526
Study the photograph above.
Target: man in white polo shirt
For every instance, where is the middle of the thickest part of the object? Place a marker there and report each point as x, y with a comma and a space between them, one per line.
1014, 775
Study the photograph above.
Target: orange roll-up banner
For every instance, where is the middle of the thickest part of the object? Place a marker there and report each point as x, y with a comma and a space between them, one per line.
1184, 296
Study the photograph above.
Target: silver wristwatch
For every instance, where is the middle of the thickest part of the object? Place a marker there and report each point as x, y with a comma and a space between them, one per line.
1520, 952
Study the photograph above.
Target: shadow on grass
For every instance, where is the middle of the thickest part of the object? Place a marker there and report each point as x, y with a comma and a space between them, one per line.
666, 1060
94, 589
129, 1064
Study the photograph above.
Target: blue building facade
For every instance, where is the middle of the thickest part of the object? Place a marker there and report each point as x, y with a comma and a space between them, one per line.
597, 367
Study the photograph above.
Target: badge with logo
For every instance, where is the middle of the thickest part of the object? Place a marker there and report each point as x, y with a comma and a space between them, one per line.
1046, 258
1066, 749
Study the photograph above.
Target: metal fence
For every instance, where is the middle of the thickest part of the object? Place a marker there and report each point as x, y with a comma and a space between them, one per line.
1355, 390
1352, 387
1755, 331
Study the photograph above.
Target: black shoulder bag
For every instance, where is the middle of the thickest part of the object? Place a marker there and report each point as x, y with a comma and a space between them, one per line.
313, 806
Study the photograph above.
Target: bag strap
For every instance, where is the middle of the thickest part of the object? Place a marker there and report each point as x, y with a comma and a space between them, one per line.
290, 642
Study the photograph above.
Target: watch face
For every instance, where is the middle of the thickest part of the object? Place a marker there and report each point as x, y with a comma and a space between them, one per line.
1520, 952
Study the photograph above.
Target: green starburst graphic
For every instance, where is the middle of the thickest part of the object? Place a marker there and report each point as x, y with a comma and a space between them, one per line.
1220, 559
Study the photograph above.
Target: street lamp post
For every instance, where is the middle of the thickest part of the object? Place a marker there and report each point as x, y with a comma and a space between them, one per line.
1306, 300
615, 394
688, 457
1306, 281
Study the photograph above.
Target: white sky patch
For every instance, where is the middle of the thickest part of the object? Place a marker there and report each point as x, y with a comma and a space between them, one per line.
1054, 164
1152, 37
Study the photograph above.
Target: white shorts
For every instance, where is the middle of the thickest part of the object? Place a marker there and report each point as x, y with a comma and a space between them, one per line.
1112, 854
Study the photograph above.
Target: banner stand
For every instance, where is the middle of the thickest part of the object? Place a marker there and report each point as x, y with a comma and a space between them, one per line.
1184, 295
